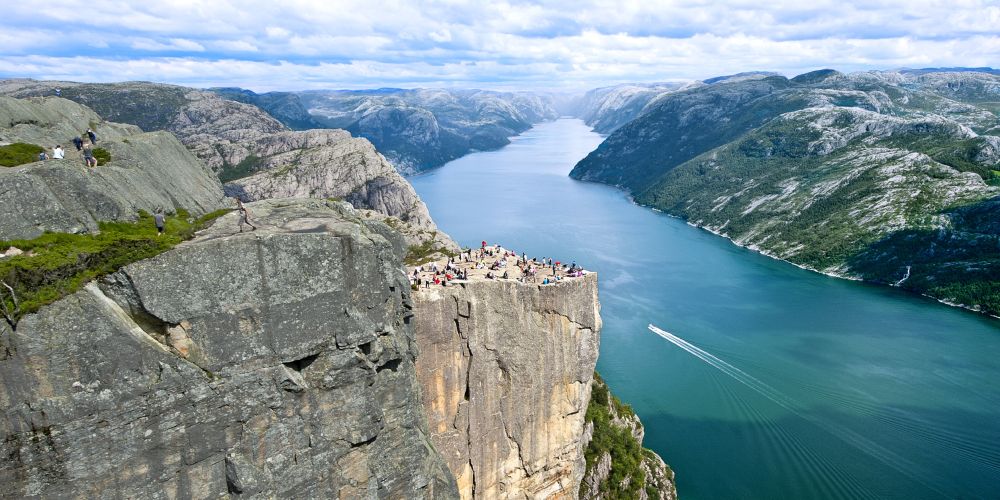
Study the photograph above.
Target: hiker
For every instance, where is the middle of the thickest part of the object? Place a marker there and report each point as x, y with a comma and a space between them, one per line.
244, 216
58, 152
159, 219
88, 156
92, 136
58, 92
78, 142
42, 156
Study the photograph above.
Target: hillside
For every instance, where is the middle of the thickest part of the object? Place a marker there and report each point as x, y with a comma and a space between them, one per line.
421, 129
238, 140
883, 176
607, 108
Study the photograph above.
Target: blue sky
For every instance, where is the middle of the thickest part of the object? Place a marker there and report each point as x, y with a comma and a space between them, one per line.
571, 44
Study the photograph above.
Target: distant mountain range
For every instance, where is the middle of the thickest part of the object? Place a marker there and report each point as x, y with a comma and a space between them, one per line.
416, 129
887, 176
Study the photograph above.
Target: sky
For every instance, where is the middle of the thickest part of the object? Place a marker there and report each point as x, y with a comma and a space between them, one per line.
545, 45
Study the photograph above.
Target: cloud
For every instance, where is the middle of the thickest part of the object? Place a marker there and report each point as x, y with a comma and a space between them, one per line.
297, 44
172, 45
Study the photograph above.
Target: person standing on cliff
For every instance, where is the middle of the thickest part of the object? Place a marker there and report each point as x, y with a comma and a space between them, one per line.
88, 156
92, 136
159, 219
244, 215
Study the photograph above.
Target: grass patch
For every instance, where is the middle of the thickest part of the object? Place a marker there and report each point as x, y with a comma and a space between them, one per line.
19, 153
102, 156
248, 166
419, 254
627, 454
61, 263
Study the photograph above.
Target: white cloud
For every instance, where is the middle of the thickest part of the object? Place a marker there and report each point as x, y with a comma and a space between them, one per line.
173, 44
508, 43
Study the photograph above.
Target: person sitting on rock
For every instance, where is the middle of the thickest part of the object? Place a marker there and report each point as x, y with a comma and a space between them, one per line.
244, 215
58, 153
78, 142
42, 156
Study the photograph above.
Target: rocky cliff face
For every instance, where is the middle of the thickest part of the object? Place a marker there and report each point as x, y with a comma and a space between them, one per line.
331, 164
420, 129
884, 176
505, 369
237, 140
278, 363
617, 464
147, 171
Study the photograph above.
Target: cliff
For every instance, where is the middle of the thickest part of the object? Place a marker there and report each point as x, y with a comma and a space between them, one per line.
419, 129
278, 363
147, 171
887, 177
505, 368
238, 140
617, 464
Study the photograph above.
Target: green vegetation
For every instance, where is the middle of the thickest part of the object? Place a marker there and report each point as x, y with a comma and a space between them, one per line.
248, 166
102, 156
19, 153
424, 252
151, 106
627, 454
57, 264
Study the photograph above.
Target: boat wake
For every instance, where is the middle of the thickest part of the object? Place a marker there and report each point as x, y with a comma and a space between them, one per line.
852, 438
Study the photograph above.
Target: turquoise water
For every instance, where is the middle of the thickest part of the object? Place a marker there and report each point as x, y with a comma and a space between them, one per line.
841, 390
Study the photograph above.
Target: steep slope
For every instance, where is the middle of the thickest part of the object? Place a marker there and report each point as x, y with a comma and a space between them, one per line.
233, 365
617, 464
863, 175
236, 139
425, 128
147, 171
608, 108
506, 369
286, 107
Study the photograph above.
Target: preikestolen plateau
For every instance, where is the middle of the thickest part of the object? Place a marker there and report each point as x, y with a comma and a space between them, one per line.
514, 250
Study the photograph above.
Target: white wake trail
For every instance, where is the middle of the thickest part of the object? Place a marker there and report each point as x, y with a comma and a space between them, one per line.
856, 440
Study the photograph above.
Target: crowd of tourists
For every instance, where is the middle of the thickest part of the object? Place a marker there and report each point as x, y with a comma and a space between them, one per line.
85, 147
493, 262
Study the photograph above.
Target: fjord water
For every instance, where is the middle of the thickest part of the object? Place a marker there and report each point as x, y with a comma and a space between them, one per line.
868, 392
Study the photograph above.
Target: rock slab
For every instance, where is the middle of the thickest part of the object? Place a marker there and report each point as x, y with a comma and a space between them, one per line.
506, 370
274, 363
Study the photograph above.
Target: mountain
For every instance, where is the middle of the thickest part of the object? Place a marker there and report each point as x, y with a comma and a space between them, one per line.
238, 140
145, 171
420, 129
286, 107
884, 176
607, 108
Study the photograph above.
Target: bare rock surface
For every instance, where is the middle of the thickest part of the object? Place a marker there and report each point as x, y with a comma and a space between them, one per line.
147, 171
274, 363
505, 369
238, 140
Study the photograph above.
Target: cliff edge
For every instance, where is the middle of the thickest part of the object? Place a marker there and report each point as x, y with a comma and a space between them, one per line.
278, 363
506, 368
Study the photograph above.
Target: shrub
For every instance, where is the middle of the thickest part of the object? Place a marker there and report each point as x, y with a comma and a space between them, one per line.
55, 265
627, 454
19, 153
102, 156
